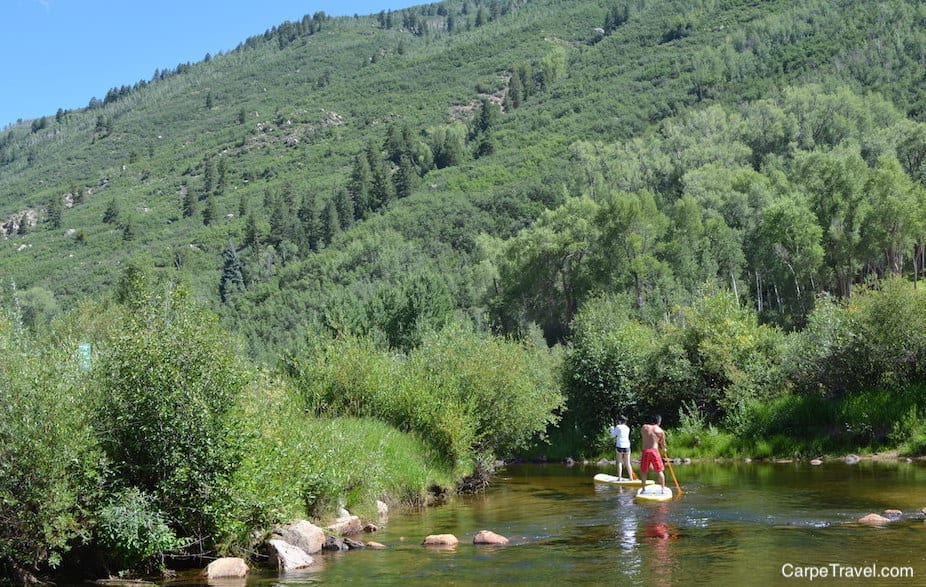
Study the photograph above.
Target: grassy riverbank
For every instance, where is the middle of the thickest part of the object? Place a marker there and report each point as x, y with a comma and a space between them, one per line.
792, 426
807, 426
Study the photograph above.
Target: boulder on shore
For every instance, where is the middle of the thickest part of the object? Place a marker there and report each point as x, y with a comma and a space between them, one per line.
346, 524
489, 537
226, 568
302, 534
441, 540
287, 557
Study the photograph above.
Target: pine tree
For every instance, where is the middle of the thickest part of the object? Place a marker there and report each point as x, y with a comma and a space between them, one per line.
405, 178
382, 191
397, 142
486, 119
54, 211
128, 230
309, 222
210, 213
345, 205
481, 17
232, 274
331, 224
111, 214
209, 178
242, 206
190, 202
252, 235
361, 179
515, 91
222, 181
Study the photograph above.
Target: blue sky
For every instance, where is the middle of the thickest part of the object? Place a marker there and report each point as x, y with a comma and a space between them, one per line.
61, 53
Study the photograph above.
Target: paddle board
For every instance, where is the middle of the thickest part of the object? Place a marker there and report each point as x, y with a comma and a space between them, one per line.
654, 493
605, 478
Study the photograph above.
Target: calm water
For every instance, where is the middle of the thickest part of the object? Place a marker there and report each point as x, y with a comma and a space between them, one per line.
742, 523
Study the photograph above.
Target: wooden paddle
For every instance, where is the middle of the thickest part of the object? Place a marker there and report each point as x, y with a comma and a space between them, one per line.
671, 470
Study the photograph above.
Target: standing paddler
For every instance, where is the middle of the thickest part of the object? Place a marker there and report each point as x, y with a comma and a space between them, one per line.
654, 438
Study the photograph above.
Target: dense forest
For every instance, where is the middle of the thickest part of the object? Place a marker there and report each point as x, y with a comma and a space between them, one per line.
467, 230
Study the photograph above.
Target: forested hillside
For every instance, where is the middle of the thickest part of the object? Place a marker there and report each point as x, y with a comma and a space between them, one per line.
360, 258
371, 173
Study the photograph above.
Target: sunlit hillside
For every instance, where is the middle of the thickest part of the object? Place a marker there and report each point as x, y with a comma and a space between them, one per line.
352, 173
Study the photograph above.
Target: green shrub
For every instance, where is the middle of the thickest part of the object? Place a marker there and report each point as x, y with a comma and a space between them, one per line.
167, 387
694, 436
875, 340
735, 359
50, 463
133, 532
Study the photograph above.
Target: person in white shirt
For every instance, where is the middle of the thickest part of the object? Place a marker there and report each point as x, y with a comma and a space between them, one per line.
621, 434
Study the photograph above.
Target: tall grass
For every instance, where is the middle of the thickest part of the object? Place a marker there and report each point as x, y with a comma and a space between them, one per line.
305, 466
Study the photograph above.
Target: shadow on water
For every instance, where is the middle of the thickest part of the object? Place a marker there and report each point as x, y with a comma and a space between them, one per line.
734, 523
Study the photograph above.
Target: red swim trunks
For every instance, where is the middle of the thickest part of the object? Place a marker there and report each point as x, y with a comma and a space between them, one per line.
651, 458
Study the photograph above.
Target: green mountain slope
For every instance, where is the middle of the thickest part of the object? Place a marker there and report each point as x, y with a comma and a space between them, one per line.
266, 139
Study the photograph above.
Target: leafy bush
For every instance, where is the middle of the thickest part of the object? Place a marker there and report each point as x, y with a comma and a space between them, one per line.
733, 361
876, 339
167, 385
694, 436
135, 534
50, 463
498, 392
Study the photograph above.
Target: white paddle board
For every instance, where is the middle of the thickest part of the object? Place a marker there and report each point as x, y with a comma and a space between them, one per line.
605, 478
654, 493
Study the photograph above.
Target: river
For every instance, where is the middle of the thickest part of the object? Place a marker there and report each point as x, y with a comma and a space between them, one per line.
733, 524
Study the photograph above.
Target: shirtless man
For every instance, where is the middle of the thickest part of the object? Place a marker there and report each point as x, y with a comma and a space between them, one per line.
654, 438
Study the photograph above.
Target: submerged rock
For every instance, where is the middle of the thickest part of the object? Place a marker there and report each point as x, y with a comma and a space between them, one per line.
489, 537
441, 540
873, 520
341, 543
